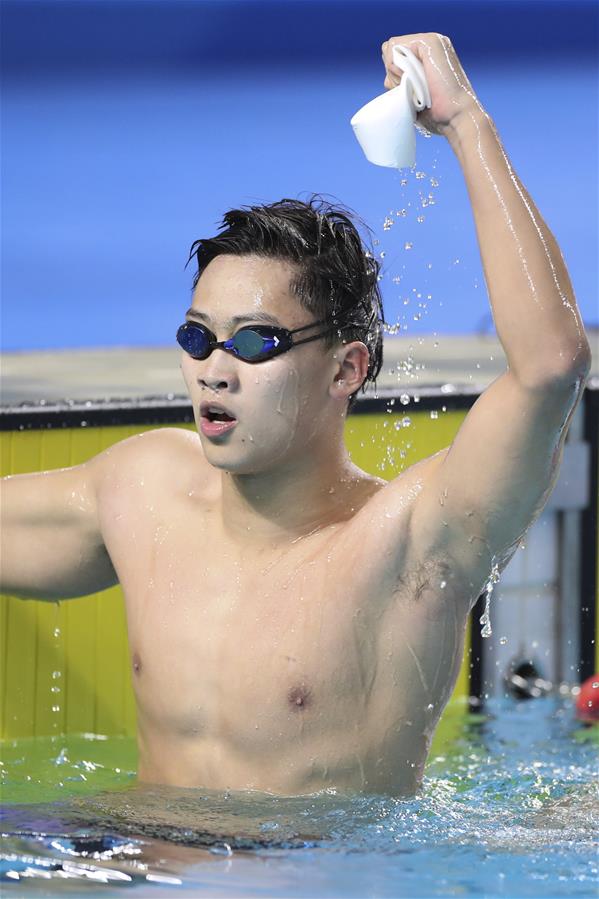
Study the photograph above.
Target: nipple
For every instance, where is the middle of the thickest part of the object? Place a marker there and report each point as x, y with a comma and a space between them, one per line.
299, 697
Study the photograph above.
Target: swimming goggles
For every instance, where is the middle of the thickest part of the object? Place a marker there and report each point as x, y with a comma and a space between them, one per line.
253, 343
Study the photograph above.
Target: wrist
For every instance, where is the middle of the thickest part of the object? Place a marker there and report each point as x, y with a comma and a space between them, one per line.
467, 124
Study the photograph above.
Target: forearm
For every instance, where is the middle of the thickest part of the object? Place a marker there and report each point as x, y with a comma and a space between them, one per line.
533, 302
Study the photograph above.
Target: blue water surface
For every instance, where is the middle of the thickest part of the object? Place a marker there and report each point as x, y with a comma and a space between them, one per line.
509, 810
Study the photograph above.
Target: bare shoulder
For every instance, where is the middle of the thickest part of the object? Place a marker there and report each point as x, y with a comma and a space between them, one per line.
174, 454
150, 446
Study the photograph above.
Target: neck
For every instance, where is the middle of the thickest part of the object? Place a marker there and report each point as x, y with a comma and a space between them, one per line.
292, 501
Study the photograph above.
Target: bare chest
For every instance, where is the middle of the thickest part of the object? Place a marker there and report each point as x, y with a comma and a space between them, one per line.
227, 642
287, 667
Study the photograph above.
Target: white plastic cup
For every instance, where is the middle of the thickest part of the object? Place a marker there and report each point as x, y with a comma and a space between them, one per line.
385, 126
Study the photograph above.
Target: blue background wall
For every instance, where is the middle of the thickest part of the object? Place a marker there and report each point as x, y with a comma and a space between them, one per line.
130, 127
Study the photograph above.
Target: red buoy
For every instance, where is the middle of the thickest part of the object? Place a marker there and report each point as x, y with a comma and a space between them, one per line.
587, 701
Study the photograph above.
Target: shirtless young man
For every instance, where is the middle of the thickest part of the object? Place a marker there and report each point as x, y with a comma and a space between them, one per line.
295, 623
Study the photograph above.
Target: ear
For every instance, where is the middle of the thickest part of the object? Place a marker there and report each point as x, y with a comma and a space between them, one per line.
351, 369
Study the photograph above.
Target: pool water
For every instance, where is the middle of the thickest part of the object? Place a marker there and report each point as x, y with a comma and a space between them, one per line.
508, 808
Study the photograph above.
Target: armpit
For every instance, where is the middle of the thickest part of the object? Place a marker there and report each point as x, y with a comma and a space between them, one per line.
426, 580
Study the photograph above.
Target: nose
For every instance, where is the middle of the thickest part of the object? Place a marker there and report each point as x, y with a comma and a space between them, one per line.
218, 371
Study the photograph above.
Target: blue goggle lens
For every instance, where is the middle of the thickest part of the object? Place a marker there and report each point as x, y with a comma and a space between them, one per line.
194, 340
249, 344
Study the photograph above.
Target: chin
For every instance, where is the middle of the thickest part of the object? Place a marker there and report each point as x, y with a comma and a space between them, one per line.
240, 468
237, 462
227, 458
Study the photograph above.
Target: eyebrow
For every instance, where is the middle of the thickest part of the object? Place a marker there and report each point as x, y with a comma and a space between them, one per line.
237, 319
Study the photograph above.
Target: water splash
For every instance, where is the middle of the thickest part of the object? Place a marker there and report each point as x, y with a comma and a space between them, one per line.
485, 619
501, 796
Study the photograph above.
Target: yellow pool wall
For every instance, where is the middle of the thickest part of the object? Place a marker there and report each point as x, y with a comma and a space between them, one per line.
80, 645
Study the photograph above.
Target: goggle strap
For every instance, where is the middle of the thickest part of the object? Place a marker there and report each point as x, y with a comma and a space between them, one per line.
305, 328
314, 337
338, 328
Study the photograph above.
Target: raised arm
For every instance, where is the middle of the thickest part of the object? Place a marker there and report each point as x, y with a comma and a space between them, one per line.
481, 494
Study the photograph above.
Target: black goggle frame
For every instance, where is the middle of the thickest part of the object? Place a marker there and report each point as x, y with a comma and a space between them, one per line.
275, 340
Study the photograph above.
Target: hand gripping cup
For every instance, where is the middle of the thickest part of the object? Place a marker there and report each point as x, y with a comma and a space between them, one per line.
385, 126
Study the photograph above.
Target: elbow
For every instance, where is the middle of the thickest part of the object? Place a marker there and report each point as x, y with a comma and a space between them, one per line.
566, 368
582, 358
574, 365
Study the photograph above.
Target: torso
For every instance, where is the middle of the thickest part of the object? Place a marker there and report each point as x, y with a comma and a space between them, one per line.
286, 669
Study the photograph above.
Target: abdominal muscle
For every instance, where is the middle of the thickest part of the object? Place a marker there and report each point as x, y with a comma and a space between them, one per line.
288, 700
284, 770
344, 742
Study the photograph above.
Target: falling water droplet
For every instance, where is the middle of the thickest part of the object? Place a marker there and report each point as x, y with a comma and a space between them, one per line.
485, 619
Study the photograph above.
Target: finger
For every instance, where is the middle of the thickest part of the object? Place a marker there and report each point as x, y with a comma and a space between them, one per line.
388, 56
407, 39
395, 70
413, 41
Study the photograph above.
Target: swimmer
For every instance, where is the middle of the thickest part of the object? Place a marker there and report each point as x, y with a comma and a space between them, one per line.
294, 622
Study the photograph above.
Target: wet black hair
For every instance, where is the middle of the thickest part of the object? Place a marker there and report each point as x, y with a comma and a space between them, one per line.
337, 276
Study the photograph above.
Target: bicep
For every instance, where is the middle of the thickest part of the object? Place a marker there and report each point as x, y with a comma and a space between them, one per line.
485, 490
52, 545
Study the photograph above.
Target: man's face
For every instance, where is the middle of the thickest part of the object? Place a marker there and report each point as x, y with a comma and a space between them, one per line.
282, 404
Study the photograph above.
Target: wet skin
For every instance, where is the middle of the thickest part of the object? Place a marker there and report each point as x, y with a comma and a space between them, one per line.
287, 666
283, 636
294, 622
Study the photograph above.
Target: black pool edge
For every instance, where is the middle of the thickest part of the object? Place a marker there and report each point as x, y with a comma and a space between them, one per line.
177, 409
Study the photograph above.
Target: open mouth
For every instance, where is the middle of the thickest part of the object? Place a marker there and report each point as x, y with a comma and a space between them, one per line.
218, 416
214, 412
215, 420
